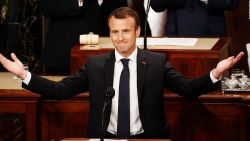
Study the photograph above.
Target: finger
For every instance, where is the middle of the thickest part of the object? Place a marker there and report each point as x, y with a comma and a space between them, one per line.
230, 58
238, 57
13, 56
2, 58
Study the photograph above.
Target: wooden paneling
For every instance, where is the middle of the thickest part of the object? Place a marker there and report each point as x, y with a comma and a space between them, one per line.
18, 115
212, 116
64, 119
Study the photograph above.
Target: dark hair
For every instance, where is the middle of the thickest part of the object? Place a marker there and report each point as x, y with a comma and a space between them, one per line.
124, 12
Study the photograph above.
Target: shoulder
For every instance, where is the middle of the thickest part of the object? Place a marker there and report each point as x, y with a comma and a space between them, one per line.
100, 58
151, 54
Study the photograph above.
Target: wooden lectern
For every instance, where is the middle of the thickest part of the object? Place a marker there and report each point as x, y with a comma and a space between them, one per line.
211, 117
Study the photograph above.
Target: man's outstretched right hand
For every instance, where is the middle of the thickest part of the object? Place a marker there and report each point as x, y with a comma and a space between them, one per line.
15, 66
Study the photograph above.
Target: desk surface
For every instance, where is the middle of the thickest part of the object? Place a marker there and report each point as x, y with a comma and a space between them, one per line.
8, 81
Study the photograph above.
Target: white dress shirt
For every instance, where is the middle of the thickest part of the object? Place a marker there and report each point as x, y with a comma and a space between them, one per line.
205, 1
80, 2
135, 122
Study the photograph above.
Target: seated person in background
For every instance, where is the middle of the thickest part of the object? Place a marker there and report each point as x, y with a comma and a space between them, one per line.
148, 73
192, 18
67, 19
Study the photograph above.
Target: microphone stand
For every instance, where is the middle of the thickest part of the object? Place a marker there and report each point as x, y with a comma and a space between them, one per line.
103, 115
145, 25
110, 93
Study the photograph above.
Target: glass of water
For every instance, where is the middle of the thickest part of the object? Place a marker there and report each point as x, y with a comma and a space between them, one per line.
238, 73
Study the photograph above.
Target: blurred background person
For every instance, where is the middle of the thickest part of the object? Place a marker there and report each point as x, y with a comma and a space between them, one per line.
67, 19
202, 18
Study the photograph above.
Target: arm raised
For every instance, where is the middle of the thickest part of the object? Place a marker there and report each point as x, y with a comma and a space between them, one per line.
15, 66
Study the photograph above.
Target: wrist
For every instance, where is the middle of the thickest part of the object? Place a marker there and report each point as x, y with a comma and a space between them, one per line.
23, 74
216, 73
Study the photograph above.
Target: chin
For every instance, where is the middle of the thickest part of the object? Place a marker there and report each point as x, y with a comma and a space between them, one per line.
123, 48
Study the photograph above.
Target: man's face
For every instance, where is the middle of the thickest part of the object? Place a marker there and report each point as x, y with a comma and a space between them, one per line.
123, 34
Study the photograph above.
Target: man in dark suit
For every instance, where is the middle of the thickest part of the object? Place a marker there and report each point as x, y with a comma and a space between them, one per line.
67, 19
149, 72
192, 18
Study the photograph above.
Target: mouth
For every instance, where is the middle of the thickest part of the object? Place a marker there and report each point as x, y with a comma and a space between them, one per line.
122, 43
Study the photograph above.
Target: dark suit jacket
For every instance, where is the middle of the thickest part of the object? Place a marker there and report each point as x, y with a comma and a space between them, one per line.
153, 75
187, 18
67, 21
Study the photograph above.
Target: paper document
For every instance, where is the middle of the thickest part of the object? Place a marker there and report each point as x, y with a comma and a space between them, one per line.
168, 41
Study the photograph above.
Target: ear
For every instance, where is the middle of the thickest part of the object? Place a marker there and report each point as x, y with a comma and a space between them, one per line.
138, 31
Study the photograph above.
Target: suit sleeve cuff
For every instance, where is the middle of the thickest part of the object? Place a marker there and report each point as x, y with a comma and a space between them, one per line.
205, 1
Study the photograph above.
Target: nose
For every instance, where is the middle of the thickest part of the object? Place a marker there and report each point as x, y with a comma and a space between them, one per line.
120, 36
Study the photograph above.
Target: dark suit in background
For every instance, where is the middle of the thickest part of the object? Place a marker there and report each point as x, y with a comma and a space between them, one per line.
195, 18
153, 75
109, 5
67, 21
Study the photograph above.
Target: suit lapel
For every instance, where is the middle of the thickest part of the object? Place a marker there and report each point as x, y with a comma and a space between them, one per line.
109, 75
141, 73
109, 70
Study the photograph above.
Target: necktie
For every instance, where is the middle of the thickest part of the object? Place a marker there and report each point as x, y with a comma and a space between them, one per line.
123, 123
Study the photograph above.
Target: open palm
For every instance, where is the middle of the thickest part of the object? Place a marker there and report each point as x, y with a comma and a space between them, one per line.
226, 64
15, 66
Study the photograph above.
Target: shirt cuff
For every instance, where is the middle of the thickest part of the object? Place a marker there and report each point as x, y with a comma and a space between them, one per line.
100, 2
205, 1
214, 80
27, 78
80, 3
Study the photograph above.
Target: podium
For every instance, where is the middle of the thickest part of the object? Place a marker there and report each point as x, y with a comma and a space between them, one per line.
214, 116
191, 61
18, 110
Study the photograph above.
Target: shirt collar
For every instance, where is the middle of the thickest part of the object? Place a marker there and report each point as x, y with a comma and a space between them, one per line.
132, 57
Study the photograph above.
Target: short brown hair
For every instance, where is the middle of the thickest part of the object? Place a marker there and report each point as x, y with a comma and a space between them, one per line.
124, 12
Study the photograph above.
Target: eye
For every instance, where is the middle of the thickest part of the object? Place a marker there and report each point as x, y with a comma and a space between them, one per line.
114, 32
126, 31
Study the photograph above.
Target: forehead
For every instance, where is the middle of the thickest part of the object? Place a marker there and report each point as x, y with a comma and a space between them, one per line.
125, 22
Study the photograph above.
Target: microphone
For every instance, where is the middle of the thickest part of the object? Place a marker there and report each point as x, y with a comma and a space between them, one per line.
110, 93
145, 25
